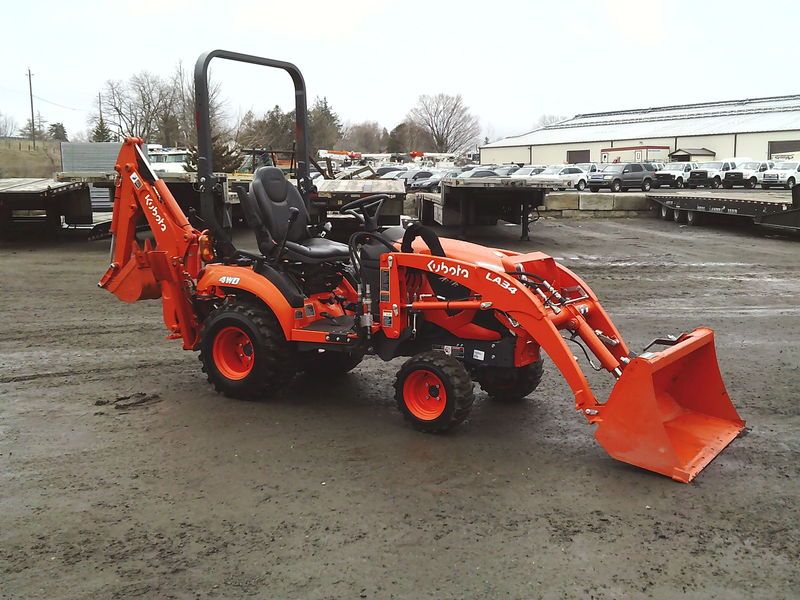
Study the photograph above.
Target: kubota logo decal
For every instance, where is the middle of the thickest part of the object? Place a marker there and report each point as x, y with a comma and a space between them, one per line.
153, 208
229, 280
501, 282
442, 268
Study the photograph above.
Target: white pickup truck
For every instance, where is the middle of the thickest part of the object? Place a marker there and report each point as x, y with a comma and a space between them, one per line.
673, 174
710, 174
785, 174
747, 174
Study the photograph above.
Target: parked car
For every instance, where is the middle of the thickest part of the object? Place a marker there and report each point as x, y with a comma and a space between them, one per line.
506, 170
673, 174
391, 175
567, 175
380, 171
709, 174
475, 173
654, 165
620, 177
412, 175
588, 167
747, 174
786, 174
528, 171
431, 184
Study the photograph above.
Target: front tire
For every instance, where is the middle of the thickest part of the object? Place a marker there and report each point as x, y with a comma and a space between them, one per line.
679, 183
790, 183
616, 186
244, 352
715, 183
510, 384
434, 392
752, 183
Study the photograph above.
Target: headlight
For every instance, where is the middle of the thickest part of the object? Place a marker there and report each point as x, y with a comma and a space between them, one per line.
607, 177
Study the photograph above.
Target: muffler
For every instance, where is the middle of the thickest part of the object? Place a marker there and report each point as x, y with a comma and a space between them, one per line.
669, 412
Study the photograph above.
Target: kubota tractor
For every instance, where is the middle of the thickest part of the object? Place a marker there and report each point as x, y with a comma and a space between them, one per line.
460, 311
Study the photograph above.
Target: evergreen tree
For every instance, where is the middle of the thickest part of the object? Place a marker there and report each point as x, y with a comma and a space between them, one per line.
34, 129
224, 157
58, 132
101, 133
324, 126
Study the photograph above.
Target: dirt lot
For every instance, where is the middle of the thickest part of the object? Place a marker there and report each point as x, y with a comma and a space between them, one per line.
124, 475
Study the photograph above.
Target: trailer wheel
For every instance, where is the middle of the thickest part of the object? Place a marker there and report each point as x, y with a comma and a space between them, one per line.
667, 213
510, 384
679, 216
789, 183
329, 363
244, 352
694, 217
616, 186
434, 392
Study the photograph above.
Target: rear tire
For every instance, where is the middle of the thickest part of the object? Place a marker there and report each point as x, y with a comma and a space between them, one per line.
581, 185
510, 384
434, 392
715, 183
790, 183
594, 190
244, 352
646, 185
329, 363
751, 183
679, 183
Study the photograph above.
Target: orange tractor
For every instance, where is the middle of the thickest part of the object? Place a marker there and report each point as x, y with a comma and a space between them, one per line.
461, 312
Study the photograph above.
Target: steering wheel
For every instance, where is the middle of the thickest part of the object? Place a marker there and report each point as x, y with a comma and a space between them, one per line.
369, 207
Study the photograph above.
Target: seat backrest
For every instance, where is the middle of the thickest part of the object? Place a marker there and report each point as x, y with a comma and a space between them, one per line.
266, 209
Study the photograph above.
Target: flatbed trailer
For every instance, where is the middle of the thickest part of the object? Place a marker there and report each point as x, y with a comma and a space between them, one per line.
765, 210
41, 203
484, 201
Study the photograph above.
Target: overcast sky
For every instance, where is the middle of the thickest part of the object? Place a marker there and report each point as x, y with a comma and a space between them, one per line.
511, 61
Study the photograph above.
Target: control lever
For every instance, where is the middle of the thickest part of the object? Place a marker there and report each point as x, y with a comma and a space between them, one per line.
293, 213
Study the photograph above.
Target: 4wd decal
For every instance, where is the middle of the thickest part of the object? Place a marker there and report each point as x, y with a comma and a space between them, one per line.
229, 280
442, 268
501, 282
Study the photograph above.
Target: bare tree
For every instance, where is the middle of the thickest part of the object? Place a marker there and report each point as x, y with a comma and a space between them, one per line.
362, 137
448, 121
8, 125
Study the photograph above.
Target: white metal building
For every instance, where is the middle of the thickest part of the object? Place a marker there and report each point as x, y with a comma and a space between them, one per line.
755, 128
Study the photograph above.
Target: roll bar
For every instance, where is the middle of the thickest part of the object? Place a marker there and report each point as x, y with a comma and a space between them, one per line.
205, 167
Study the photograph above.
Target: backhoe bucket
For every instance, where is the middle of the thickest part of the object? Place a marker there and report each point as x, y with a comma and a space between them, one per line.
669, 412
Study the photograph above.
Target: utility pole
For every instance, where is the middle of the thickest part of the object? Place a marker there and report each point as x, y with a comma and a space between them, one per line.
33, 123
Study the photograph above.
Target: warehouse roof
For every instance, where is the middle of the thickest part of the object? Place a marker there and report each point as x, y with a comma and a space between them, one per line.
777, 113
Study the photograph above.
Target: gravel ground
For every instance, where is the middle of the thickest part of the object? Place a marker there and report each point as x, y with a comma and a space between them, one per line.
124, 475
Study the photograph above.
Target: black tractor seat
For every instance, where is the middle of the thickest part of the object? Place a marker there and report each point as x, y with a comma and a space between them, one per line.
266, 210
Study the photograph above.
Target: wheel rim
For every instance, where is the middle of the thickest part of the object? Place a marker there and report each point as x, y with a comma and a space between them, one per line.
233, 353
424, 395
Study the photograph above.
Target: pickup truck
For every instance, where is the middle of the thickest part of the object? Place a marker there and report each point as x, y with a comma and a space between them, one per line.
747, 174
709, 174
785, 174
673, 174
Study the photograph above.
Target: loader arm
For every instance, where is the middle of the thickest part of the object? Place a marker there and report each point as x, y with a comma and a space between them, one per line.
668, 412
170, 269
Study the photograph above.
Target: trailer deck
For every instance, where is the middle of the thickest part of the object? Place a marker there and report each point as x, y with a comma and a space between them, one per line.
484, 201
769, 209
42, 203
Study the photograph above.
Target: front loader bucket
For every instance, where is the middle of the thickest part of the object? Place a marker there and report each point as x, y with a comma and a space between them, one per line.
669, 412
